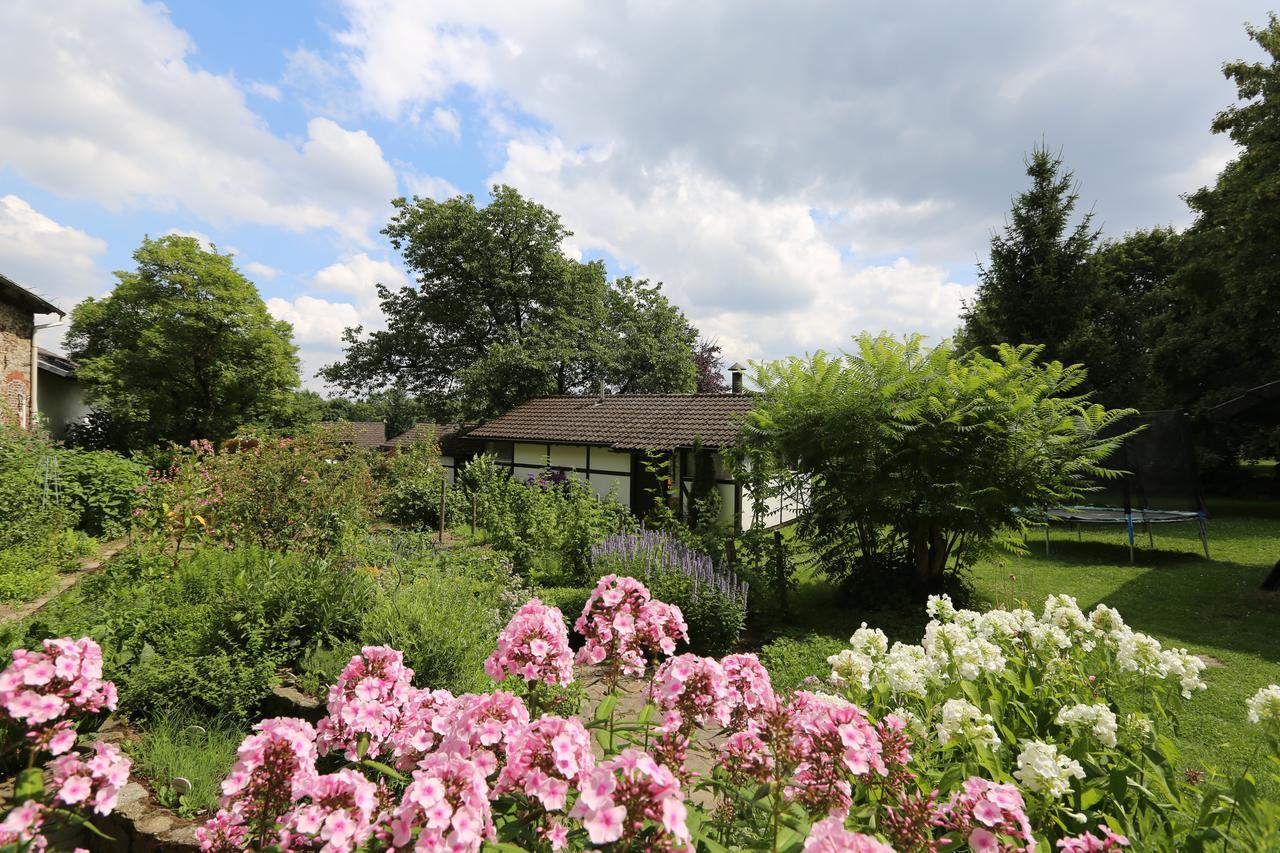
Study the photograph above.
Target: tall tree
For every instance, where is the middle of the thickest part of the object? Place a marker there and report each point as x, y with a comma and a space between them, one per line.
182, 348
710, 366
499, 314
651, 342
1220, 321
1035, 286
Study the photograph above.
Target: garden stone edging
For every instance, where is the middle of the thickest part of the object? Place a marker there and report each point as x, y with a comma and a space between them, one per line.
141, 825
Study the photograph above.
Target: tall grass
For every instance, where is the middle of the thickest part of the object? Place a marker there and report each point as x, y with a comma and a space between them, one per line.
178, 746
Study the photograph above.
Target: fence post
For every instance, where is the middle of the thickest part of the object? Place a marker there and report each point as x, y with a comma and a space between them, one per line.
779, 570
473, 515
444, 488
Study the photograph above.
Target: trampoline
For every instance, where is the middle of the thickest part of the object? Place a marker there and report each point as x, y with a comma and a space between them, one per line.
1160, 483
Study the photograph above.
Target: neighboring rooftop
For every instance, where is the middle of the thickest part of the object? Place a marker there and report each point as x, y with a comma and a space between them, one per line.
11, 291
57, 364
361, 433
446, 435
624, 421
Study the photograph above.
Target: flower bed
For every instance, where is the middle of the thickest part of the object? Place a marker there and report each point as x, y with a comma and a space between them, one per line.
1004, 730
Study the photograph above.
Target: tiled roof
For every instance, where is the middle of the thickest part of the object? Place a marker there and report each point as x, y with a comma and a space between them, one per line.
447, 435
624, 421
361, 433
11, 291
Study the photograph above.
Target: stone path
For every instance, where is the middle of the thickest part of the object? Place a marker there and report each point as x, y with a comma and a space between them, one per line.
66, 580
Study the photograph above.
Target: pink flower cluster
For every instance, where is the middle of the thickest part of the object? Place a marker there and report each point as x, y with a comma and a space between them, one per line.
95, 782
534, 646
691, 691
482, 727
829, 740
39, 689
830, 836
41, 693
632, 795
338, 812
1089, 843
750, 689
448, 803
621, 622
989, 815
545, 759
367, 705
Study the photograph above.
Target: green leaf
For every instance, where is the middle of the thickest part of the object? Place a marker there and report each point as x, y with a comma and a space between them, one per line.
384, 769
29, 784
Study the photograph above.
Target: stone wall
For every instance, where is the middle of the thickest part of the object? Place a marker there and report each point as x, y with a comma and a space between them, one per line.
16, 329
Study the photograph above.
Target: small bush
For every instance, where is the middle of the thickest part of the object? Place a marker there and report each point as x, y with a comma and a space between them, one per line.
411, 481
714, 601
792, 661
445, 624
99, 488
180, 746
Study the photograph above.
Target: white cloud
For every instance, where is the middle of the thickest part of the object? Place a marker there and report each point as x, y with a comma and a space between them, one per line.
428, 186
319, 322
110, 109
447, 120
51, 259
264, 90
833, 164
261, 270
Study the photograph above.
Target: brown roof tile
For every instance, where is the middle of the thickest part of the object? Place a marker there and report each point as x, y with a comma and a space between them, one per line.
360, 433
448, 436
624, 421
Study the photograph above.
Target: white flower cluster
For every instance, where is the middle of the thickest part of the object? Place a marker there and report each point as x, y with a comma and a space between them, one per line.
966, 645
964, 722
1264, 706
1042, 770
1098, 719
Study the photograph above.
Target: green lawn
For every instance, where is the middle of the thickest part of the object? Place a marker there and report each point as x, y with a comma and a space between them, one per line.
1211, 607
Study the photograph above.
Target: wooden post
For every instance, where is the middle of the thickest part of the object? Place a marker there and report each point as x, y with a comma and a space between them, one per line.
473, 515
444, 489
779, 570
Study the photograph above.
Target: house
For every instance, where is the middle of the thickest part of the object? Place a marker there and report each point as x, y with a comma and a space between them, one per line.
456, 449
623, 443
19, 371
368, 434
61, 401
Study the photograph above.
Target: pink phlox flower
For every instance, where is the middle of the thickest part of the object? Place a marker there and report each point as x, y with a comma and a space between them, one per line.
830, 741
608, 624
750, 689
545, 758
95, 782
987, 813
1087, 842
22, 827
660, 626
369, 702
274, 768
691, 691
40, 687
634, 795
746, 756
337, 812
534, 646
830, 836
444, 807
481, 727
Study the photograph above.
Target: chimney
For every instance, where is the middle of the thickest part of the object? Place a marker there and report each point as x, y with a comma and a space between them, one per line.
602, 391
735, 373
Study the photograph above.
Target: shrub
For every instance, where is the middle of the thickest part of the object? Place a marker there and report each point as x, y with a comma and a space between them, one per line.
714, 601
198, 750
548, 522
916, 459
794, 661
210, 636
99, 488
444, 623
411, 480
305, 493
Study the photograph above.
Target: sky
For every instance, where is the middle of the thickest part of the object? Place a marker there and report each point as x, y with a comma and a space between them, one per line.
793, 172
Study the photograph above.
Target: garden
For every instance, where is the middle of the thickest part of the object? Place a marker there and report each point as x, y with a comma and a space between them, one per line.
291, 648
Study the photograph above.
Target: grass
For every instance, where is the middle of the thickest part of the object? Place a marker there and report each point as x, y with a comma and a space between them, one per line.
178, 747
1211, 607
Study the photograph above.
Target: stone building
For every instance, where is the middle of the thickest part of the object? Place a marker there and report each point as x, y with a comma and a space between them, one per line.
19, 360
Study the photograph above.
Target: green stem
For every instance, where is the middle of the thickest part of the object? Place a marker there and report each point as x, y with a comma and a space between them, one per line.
1235, 799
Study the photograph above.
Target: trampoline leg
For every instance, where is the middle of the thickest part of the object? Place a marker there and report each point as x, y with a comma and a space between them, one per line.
1046, 540
1079, 535
1204, 537
1151, 537
1129, 524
